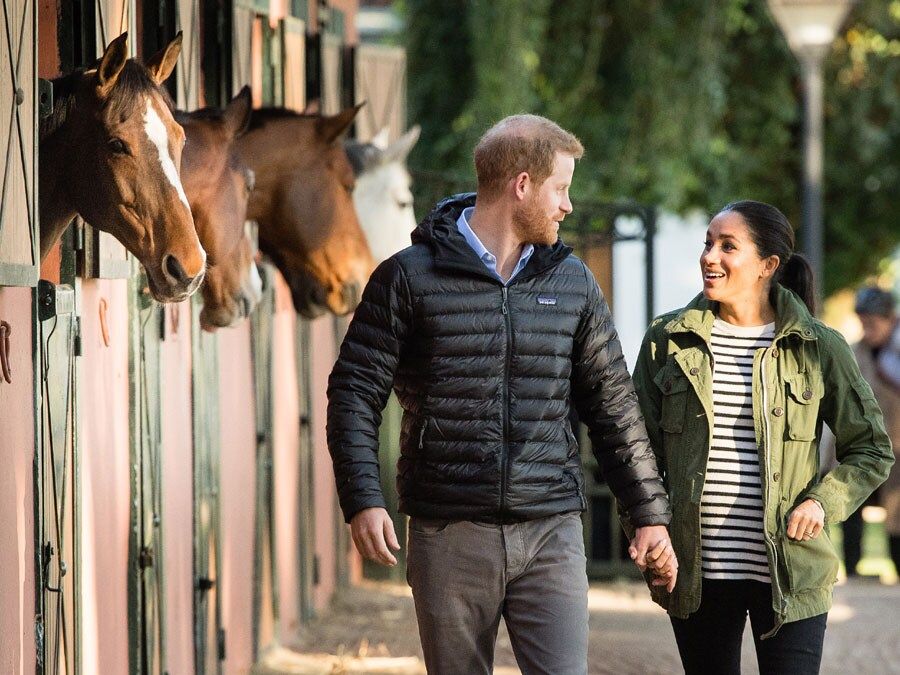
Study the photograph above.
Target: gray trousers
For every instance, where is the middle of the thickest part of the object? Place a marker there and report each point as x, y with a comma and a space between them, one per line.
465, 576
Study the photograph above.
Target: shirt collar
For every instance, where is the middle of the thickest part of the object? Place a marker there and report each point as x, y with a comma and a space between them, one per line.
462, 224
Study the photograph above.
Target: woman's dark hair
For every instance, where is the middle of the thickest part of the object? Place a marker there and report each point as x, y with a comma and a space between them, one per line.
773, 235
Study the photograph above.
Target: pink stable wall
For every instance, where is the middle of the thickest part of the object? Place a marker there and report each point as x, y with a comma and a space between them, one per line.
177, 489
17, 582
105, 478
237, 494
286, 465
323, 353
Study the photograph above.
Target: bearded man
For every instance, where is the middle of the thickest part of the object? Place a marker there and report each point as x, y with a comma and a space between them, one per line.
487, 327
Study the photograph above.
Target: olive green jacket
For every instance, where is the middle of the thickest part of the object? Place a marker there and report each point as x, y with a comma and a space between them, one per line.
806, 377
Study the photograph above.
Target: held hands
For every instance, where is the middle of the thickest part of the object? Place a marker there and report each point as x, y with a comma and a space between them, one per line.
373, 532
806, 521
651, 548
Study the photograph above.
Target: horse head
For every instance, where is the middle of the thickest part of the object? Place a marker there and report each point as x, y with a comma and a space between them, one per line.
218, 186
383, 195
111, 152
304, 208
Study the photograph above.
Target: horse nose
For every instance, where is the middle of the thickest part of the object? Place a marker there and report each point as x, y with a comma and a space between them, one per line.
175, 271
351, 295
177, 275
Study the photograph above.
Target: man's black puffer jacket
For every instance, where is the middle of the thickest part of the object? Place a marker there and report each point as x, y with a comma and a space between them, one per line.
484, 374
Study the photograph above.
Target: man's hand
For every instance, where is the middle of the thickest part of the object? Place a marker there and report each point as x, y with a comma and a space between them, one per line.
373, 532
806, 521
652, 548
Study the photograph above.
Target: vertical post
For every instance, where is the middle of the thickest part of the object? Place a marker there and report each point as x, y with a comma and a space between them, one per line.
649, 239
813, 151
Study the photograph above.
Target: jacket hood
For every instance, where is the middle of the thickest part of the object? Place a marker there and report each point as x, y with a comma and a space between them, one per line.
438, 230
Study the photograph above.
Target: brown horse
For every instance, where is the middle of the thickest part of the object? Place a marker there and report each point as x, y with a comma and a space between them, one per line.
304, 206
110, 152
218, 185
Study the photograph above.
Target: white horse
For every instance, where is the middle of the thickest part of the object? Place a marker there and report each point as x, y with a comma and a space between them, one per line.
382, 196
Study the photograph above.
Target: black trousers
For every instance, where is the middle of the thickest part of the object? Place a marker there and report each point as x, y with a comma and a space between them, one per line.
709, 641
853, 534
894, 541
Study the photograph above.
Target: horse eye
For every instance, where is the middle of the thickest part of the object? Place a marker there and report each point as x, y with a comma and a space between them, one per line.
118, 147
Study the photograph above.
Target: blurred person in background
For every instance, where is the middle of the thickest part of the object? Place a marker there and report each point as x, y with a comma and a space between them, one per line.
878, 355
735, 388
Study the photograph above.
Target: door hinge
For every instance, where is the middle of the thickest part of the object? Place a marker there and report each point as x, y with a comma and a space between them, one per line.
221, 644
77, 347
315, 569
78, 235
145, 558
39, 641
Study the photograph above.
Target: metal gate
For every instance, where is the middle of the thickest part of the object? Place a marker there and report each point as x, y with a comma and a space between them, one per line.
209, 641
58, 644
146, 607
265, 597
592, 230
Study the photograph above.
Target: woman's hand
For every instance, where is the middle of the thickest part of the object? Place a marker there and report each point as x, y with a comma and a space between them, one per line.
806, 521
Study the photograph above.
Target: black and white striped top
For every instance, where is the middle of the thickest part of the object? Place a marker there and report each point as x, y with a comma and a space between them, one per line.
731, 508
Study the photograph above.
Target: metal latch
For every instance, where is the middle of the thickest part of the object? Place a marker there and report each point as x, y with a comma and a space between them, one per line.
45, 98
54, 299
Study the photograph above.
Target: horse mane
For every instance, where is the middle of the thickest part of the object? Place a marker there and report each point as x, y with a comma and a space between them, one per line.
209, 113
261, 116
363, 156
124, 99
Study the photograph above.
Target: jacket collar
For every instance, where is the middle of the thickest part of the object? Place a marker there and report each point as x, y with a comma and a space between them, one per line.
791, 316
451, 250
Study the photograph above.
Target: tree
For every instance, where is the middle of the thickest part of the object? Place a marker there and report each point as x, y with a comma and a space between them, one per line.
679, 103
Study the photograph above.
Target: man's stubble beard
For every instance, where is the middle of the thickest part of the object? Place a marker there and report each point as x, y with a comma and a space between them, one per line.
532, 225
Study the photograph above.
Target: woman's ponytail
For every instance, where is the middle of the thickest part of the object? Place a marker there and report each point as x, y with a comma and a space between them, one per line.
797, 275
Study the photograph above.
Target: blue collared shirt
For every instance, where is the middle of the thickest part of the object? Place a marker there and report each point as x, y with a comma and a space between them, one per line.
488, 258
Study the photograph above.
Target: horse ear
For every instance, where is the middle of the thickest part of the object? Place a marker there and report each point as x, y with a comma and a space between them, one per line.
162, 63
399, 150
237, 113
111, 64
382, 139
330, 128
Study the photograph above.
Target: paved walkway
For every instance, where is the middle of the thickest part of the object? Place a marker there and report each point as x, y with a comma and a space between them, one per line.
629, 635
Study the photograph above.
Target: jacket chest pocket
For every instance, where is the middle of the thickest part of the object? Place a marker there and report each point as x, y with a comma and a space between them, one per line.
803, 392
675, 388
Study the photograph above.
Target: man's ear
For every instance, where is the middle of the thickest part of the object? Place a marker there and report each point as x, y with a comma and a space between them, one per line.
522, 184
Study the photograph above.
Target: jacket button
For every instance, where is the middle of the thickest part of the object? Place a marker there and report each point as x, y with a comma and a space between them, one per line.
668, 387
778, 412
807, 394
695, 371
775, 353
776, 476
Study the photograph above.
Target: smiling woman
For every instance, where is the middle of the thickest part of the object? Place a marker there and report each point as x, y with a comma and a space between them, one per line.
734, 389
115, 119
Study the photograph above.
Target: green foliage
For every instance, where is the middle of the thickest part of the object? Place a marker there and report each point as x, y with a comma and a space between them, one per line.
680, 103
862, 172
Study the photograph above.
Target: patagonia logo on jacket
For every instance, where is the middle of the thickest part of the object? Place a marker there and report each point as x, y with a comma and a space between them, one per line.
546, 299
